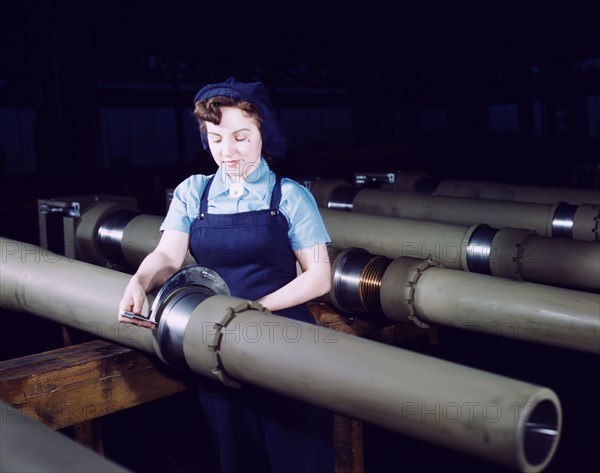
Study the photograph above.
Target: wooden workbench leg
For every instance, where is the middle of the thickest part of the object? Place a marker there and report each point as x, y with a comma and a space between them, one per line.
89, 432
347, 432
348, 443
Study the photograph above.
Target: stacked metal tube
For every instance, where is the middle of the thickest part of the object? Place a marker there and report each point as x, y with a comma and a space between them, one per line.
423, 183
503, 420
411, 289
507, 252
578, 222
28, 446
479, 302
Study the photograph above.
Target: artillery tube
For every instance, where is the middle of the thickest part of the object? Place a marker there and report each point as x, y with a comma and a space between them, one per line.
421, 291
499, 191
29, 446
479, 413
67, 291
380, 384
553, 220
125, 238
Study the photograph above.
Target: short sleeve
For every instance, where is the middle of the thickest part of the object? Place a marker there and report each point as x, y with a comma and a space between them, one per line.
300, 208
185, 204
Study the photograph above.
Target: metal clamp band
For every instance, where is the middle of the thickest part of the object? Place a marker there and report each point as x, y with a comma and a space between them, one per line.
409, 292
521, 246
563, 219
479, 249
110, 236
175, 303
215, 344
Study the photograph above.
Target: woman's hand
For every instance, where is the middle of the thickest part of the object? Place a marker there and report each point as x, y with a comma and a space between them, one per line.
133, 301
156, 268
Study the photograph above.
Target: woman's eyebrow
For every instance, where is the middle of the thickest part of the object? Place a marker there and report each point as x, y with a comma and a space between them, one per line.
233, 133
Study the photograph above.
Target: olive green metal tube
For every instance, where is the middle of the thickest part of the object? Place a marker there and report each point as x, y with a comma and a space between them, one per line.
461, 211
116, 236
28, 446
140, 237
557, 220
421, 182
586, 223
510, 253
413, 290
521, 254
395, 237
558, 317
519, 193
462, 408
507, 421
67, 291
89, 233
513, 253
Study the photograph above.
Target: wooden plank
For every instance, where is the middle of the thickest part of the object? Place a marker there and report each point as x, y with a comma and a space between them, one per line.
348, 443
327, 317
73, 384
89, 432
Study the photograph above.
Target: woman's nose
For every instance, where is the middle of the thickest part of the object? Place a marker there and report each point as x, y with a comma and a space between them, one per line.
228, 147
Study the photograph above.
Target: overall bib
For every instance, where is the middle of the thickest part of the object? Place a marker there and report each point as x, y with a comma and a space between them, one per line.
258, 430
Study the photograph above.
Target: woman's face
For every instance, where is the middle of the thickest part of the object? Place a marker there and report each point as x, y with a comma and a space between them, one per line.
235, 143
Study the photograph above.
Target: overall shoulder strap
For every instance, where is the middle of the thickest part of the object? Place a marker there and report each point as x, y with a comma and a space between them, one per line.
276, 195
204, 198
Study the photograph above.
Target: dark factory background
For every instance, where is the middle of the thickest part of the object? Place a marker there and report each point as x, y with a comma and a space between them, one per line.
95, 98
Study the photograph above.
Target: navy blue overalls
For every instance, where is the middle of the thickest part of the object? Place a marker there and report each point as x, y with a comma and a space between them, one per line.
256, 430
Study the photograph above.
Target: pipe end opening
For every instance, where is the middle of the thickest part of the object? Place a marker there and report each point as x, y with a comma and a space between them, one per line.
542, 431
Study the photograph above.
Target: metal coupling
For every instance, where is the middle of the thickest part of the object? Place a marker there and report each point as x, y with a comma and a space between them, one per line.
173, 307
563, 220
479, 249
110, 236
356, 281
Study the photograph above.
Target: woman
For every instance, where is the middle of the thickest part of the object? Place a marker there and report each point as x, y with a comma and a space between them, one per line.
252, 227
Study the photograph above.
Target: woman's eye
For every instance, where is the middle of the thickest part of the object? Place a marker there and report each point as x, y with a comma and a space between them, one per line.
241, 138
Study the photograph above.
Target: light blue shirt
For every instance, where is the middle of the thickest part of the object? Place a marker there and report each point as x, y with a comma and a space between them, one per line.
306, 227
